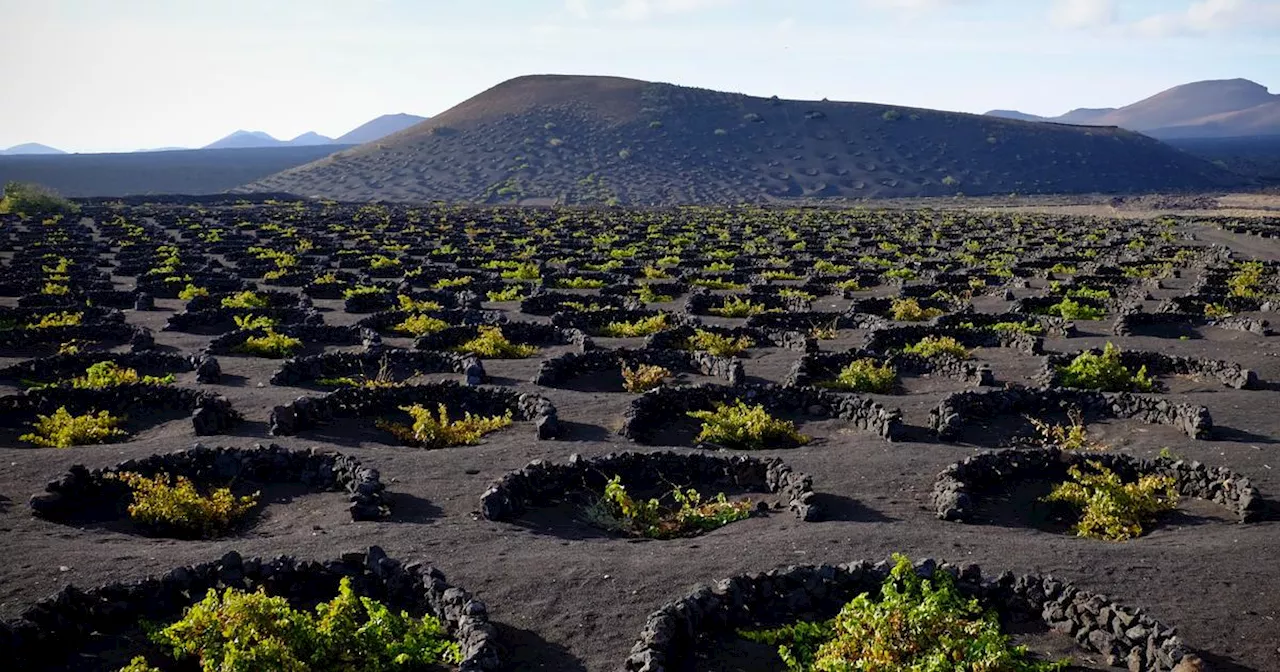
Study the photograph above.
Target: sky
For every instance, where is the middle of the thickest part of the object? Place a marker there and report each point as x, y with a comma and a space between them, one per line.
121, 75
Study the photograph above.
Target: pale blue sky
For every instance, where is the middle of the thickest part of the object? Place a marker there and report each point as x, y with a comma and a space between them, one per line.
103, 75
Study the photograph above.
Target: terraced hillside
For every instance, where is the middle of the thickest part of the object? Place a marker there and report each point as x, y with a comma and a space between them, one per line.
571, 139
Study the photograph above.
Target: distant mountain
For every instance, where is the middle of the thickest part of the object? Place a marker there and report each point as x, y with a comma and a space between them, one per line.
379, 128
578, 139
309, 139
244, 139
30, 148
1210, 109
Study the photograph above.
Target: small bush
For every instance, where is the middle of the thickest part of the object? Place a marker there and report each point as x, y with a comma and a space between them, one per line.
716, 344
641, 327
491, 342
1032, 328
191, 291
736, 306
712, 283
909, 310
271, 345
60, 319
1111, 509
647, 294
865, 375
526, 271
508, 293
438, 431
742, 427
174, 504
644, 377
109, 374
1074, 436
255, 322
409, 304
362, 290
63, 430
1216, 311
912, 625
420, 325
938, 346
244, 300
32, 201
1247, 281
240, 631
1070, 309
579, 283
1105, 372
687, 515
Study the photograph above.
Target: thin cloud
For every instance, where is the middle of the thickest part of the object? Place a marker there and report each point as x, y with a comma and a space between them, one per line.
1212, 16
1083, 13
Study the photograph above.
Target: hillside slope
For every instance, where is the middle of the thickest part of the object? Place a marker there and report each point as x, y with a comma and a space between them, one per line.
191, 171
31, 149
574, 139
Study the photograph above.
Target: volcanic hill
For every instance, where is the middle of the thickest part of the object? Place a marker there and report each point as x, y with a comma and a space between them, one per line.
577, 139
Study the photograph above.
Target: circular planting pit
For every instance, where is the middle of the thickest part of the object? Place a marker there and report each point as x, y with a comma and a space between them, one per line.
1228, 374
678, 338
595, 323
964, 409
98, 496
890, 339
372, 364
47, 340
1049, 325
221, 320
210, 413
706, 303
147, 363
601, 370
100, 629
569, 494
1184, 325
314, 338
547, 304
821, 368
385, 322
702, 626
518, 333
962, 489
660, 416
307, 413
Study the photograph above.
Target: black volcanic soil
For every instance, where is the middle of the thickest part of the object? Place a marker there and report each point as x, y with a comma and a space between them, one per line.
567, 598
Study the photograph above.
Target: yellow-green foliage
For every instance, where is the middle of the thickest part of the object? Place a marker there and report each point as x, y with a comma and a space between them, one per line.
1073, 436
326, 279
35, 202
1032, 328
55, 289
717, 344
508, 293
59, 319
687, 515
579, 283
1070, 309
420, 325
240, 631
936, 346
254, 322
438, 431
644, 377
744, 427
865, 375
411, 305
271, 345
1247, 281
63, 430
525, 271
713, 283
1105, 372
909, 310
825, 332
491, 342
736, 306
174, 504
647, 294
362, 290
912, 625
1110, 508
1216, 311
446, 283
191, 291
641, 327
244, 300
110, 374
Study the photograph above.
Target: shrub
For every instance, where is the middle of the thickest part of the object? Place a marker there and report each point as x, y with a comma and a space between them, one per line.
191, 291
938, 346
438, 431
244, 300
55, 289
865, 375
1110, 508
1247, 281
712, 283
63, 430
420, 325
362, 290
34, 202
254, 322
491, 342
716, 344
687, 515
174, 504
644, 377
579, 283
641, 327
909, 310
1104, 372
409, 304
271, 345
1071, 309
647, 295
913, 625
1032, 328
326, 279
240, 631
110, 374
1216, 311
508, 293
1074, 436
736, 306
525, 271
744, 427
59, 319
